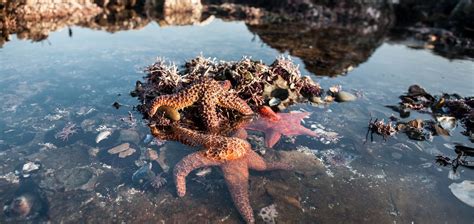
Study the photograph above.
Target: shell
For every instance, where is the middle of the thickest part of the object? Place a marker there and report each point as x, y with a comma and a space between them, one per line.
274, 101
464, 191
102, 135
204, 172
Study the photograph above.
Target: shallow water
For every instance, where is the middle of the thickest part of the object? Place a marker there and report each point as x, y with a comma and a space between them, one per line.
45, 85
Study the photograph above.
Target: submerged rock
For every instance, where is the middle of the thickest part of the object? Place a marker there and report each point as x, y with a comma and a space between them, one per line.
119, 148
464, 191
30, 167
343, 96
28, 203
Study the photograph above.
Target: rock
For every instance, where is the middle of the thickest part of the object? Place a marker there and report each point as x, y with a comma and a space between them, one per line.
143, 175
316, 99
343, 96
162, 160
151, 154
126, 153
129, 135
328, 99
204, 172
30, 166
464, 191
70, 179
281, 192
93, 152
119, 148
447, 123
304, 162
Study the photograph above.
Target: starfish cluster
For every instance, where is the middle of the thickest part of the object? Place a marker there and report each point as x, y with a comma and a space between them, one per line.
233, 155
218, 106
206, 93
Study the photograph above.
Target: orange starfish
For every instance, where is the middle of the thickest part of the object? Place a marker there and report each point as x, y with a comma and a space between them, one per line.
207, 92
274, 125
215, 146
236, 174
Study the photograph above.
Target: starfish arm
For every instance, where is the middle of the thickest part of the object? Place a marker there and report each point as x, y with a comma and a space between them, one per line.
301, 130
209, 113
272, 137
236, 176
256, 162
177, 101
193, 138
308, 132
233, 102
300, 115
186, 165
229, 148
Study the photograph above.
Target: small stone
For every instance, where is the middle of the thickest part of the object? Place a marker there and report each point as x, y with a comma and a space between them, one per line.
30, 166
119, 148
343, 96
316, 99
151, 154
126, 153
93, 152
328, 99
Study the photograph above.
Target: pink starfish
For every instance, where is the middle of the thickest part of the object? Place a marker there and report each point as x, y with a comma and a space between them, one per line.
275, 125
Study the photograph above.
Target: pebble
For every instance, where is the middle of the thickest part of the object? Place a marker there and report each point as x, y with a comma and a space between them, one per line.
344, 96
119, 148
204, 172
126, 153
151, 154
30, 166
93, 152
316, 99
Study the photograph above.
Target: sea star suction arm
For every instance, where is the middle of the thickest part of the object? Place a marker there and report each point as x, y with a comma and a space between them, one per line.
272, 137
186, 165
231, 101
191, 137
177, 101
237, 182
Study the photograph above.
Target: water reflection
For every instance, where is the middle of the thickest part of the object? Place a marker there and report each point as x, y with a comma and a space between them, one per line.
331, 39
